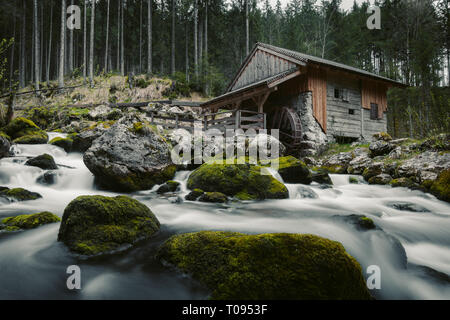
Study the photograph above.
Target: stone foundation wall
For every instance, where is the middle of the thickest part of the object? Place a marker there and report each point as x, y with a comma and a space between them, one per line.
314, 139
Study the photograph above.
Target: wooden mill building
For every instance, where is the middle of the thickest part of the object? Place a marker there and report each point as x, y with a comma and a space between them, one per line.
311, 100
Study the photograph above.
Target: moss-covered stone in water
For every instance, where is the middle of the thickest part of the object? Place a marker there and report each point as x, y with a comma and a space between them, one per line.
44, 161
65, 143
28, 221
25, 131
244, 181
353, 180
215, 197
96, 224
293, 170
19, 194
321, 176
266, 266
441, 187
194, 194
169, 186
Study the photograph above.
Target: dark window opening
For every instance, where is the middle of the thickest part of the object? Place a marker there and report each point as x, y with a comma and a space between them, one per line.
345, 95
337, 93
351, 111
344, 139
373, 111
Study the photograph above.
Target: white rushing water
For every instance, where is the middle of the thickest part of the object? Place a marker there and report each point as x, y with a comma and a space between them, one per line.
33, 264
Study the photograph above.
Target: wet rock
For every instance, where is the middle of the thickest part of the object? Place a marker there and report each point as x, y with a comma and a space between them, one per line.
24, 131
404, 182
407, 206
28, 221
175, 199
244, 181
19, 194
5, 145
374, 169
242, 267
44, 161
293, 170
94, 225
380, 148
353, 180
129, 156
47, 178
215, 197
380, 179
441, 187
169, 186
321, 176
194, 194
361, 222
306, 192
65, 143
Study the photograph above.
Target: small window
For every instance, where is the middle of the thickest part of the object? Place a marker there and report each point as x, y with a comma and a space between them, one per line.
351, 111
345, 95
337, 93
373, 111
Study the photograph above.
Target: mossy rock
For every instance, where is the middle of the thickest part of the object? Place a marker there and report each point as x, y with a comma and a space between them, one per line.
382, 136
353, 180
44, 161
361, 222
28, 221
25, 131
93, 225
321, 176
293, 170
334, 168
441, 187
42, 116
403, 182
380, 179
214, 197
169, 186
19, 194
65, 143
244, 181
266, 266
194, 194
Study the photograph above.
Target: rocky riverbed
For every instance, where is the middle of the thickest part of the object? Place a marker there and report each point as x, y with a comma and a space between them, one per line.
104, 195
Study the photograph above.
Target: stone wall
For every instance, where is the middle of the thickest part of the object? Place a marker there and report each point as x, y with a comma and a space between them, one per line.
314, 139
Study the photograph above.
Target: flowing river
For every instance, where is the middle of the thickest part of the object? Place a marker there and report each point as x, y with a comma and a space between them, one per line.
33, 264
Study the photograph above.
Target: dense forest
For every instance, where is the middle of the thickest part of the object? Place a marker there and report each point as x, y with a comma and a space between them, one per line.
203, 42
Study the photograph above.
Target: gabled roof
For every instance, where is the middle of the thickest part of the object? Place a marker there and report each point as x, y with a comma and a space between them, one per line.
302, 59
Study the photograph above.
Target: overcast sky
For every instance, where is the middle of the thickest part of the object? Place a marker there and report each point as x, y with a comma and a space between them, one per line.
346, 4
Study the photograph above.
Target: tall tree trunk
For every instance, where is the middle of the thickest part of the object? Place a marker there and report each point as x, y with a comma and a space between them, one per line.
122, 56
91, 44
173, 38
62, 44
195, 39
70, 64
140, 38
247, 35
13, 47
149, 36
206, 47
37, 58
84, 42
187, 49
107, 39
118, 34
41, 65
22, 48
200, 44
47, 78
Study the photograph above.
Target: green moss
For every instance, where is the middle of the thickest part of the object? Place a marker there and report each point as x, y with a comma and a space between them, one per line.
366, 223
441, 187
25, 131
96, 224
244, 181
353, 180
169, 186
292, 170
20, 194
216, 197
4, 135
194, 194
30, 221
65, 143
334, 168
382, 136
266, 266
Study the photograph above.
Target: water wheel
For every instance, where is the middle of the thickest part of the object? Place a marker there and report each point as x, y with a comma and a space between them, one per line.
290, 126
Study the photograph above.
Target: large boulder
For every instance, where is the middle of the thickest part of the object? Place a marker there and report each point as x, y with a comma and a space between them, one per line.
5, 145
441, 187
244, 181
380, 148
65, 143
293, 170
93, 225
236, 266
44, 161
129, 156
28, 221
24, 131
18, 194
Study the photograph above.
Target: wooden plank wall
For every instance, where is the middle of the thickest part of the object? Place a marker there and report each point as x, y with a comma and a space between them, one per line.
317, 84
374, 92
261, 66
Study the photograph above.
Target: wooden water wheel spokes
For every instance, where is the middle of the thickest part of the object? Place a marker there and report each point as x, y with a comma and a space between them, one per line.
290, 126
